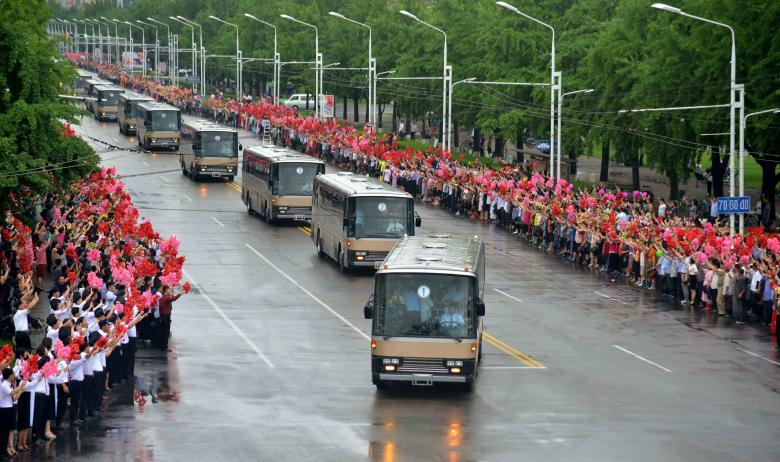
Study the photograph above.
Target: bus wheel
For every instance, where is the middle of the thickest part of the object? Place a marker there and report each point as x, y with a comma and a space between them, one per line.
249, 207
269, 218
342, 262
468, 387
231, 178
320, 252
381, 386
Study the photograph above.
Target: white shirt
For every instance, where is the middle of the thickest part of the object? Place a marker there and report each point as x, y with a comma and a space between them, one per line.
53, 334
451, 320
753, 282
76, 367
94, 362
6, 400
20, 321
131, 332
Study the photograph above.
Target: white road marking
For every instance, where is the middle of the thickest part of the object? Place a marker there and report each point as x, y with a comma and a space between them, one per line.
759, 356
311, 295
509, 367
230, 322
145, 163
507, 295
641, 358
166, 179
187, 197
611, 298
218, 222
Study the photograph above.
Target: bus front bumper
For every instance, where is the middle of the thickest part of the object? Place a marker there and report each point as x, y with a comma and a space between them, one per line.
366, 258
292, 213
424, 379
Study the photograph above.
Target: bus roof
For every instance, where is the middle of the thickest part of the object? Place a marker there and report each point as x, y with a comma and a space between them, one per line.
359, 185
281, 155
109, 87
203, 125
436, 251
133, 96
156, 106
83, 73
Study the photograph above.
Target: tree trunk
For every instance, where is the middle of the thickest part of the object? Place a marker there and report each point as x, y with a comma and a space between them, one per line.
769, 181
344, 104
307, 101
604, 174
366, 118
381, 114
499, 151
395, 116
572, 154
674, 184
477, 142
519, 146
455, 136
356, 107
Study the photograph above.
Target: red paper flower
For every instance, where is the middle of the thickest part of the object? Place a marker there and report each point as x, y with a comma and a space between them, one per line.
187, 287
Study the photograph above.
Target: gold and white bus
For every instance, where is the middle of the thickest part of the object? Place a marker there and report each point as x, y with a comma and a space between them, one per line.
427, 310
278, 182
356, 220
127, 111
80, 83
208, 150
90, 90
106, 99
159, 125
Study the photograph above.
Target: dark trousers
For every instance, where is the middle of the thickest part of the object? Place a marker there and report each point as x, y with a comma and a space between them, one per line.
767, 314
163, 331
62, 403
100, 388
87, 396
131, 347
40, 414
76, 389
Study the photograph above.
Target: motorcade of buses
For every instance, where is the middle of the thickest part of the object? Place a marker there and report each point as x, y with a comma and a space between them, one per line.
80, 83
90, 90
127, 111
356, 219
208, 150
427, 309
159, 125
278, 182
106, 100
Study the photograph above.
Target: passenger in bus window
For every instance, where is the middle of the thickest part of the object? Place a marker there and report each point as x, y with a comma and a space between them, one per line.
395, 226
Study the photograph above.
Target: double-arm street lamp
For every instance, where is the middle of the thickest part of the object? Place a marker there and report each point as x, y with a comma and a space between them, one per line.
202, 71
317, 63
238, 56
143, 45
156, 50
560, 132
277, 67
193, 49
371, 68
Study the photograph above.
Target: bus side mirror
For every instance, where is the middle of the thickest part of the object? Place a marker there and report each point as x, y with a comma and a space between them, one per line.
417, 220
480, 308
240, 147
347, 222
368, 310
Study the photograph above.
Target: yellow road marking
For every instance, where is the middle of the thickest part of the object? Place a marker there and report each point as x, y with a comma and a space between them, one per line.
511, 351
305, 230
234, 186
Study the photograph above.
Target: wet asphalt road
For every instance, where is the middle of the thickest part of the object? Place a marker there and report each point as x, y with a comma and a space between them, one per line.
270, 359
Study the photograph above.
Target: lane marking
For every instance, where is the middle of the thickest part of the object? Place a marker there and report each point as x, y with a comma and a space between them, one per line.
507, 295
311, 295
304, 230
756, 355
217, 222
515, 352
187, 197
509, 367
642, 358
229, 321
234, 186
611, 298
507, 352
145, 163
166, 179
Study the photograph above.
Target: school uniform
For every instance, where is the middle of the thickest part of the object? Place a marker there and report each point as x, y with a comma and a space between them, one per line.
76, 385
88, 391
40, 406
26, 404
99, 386
7, 413
22, 329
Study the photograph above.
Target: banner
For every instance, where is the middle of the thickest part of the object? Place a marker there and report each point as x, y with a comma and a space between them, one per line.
133, 60
328, 106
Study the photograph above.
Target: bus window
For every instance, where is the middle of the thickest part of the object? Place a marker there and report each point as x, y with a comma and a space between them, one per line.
424, 305
165, 121
217, 144
379, 217
292, 179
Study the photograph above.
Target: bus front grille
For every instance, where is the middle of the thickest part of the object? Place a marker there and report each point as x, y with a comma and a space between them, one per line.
423, 366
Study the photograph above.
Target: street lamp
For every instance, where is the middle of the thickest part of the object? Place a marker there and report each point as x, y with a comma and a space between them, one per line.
449, 107
552, 80
276, 72
168, 32
732, 94
560, 116
107, 23
86, 45
238, 57
99, 37
445, 78
116, 37
742, 125
143, 45
156, 50
192, 41
371, 67
317, 62
202, 71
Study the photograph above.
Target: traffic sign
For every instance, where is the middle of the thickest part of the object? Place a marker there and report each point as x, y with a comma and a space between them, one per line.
192, 78
728, 205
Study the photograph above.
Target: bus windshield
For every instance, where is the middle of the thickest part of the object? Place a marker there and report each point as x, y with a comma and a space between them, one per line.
108, 98
380, 217
294, 179
217, 144
424, 305
165, 121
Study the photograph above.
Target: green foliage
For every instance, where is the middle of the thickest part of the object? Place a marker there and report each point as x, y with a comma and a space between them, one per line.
34, 154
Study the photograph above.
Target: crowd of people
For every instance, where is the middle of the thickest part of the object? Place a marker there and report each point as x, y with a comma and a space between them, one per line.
107, 280
687, 257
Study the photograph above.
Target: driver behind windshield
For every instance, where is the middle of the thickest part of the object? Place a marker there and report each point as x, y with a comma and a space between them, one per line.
452, 318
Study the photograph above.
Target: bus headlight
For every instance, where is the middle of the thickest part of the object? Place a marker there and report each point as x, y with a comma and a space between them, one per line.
132, 126
455, 370
390, 368
175, 140
454, 363
154, 140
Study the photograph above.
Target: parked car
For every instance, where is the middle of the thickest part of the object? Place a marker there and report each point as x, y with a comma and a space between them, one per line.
298, 101
543, 146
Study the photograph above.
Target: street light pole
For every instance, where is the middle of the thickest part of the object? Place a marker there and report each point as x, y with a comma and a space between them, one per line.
552, 80
444, 128
202, 71
156, 50
449, 105
168, 32
143, 45
238, 58
742, 153
275, 90
733, 89
193, 49
371, 68
560, 114
317, 63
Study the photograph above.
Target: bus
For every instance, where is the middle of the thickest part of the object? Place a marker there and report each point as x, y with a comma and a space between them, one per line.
208, 150
80, 83
356, 220
427, 310
106, 99
91, 92
278, 182
127, 111
159, 125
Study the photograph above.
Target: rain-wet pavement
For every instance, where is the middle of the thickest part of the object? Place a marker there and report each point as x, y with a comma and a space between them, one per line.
261, 370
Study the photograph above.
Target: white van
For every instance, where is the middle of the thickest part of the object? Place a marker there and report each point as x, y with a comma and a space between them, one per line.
298, 101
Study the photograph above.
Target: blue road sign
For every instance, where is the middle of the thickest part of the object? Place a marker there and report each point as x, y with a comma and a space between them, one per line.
727, 205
